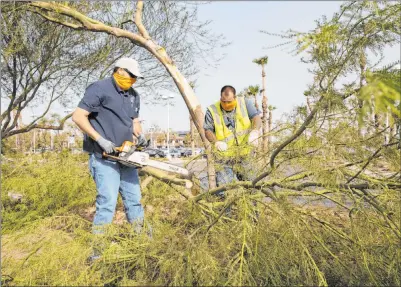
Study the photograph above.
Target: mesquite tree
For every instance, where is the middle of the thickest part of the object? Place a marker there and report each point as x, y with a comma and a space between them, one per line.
45, 64
134, 24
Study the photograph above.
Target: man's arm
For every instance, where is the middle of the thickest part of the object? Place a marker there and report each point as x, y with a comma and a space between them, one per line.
136, 124
80, 117
136, 127
211, 137
256, 122
254, 114
208, 126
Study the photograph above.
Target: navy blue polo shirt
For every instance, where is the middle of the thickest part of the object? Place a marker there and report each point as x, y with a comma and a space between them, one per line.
111, 113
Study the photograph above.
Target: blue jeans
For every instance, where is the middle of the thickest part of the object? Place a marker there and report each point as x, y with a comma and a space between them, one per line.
225, 175
110, 178
227, 172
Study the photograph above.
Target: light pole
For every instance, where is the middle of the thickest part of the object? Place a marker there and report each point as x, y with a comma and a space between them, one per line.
167, 98
151, 129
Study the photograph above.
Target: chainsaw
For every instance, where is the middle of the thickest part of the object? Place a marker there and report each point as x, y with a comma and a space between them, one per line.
130, 154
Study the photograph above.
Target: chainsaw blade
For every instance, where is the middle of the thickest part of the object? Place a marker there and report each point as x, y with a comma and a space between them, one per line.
141, 159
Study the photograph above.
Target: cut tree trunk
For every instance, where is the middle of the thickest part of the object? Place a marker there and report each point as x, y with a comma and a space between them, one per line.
191, 122
362, 67
308, 104
270, 126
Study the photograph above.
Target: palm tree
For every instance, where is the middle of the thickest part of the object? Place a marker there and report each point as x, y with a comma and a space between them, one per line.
253, 91
265, 128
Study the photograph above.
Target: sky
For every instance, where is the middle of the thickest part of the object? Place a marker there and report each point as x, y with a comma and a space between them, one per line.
240, 22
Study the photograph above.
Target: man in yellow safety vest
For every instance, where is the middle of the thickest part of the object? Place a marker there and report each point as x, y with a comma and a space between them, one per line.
232, 125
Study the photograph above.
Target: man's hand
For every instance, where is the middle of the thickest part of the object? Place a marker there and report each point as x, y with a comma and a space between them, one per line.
254, 138
142, 142
220, 146
106, 145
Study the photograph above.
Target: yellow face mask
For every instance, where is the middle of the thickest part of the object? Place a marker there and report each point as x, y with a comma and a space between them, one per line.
228, 106
123, 82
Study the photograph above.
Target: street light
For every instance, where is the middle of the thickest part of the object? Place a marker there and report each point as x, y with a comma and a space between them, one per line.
167, 98
151, 130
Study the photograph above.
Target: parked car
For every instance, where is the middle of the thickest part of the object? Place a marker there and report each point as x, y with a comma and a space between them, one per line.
164, 151
155, 152
198, 151
182, 151
187, 152
175, 152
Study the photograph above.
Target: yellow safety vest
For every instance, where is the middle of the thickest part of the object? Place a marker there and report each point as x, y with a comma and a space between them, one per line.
237, 142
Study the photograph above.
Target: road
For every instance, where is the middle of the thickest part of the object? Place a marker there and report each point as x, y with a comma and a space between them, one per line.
198, 167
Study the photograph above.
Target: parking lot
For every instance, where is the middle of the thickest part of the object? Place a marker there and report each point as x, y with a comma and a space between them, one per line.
174, 152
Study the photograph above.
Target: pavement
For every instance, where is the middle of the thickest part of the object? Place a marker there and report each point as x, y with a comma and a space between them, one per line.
198, 167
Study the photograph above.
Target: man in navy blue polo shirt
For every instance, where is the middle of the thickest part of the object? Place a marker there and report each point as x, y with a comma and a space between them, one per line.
108, 115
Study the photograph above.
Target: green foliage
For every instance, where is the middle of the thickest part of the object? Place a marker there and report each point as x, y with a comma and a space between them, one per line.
262, 61
262, 243
321, 40
274, 242
382, 94
326, 214
253, 91
50, 184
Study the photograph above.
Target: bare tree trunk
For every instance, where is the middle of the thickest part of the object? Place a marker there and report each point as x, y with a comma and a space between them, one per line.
17, 136
389, 133
265, 127
270, 127
256, 102
377, 119
393, 130
192, 135
308, 105
362, 66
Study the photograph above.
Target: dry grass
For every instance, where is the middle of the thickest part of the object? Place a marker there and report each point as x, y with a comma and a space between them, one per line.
261, 243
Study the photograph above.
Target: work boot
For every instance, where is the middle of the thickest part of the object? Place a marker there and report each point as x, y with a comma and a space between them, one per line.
139, 226
98, 246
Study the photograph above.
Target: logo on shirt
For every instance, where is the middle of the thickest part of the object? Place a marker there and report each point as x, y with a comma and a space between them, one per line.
136, 109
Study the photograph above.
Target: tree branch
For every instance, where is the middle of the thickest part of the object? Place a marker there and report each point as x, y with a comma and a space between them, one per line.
67, 24
87, 22
166, 178
138, 21
297, 134
374, 155
39, 126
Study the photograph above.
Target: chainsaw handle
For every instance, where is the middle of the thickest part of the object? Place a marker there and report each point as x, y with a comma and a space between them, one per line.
107, 155
118, 149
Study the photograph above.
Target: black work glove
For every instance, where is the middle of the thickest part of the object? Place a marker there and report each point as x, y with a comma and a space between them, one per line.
142, 142
106, 145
